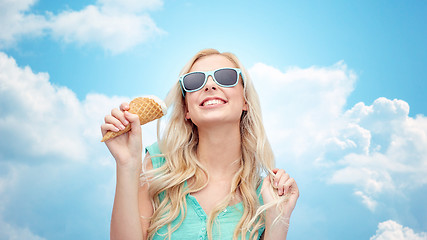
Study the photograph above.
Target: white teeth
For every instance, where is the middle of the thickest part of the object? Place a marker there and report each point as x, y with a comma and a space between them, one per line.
213, 102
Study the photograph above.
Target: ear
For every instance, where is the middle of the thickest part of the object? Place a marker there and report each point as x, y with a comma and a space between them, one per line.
187, 113
245, 106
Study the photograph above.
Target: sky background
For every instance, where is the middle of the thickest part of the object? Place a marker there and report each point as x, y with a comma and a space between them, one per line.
342, 86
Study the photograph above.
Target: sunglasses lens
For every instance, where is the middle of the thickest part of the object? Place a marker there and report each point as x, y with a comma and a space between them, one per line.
193, 81
226, 77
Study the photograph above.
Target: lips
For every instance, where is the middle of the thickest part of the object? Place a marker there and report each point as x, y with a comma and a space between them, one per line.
212, 101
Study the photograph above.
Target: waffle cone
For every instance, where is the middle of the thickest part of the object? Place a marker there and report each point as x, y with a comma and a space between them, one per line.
147, 108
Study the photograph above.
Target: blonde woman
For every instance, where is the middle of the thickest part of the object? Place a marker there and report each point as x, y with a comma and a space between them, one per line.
204, 177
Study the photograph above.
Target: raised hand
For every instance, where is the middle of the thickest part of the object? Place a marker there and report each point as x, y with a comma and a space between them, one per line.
126, 148
279, 185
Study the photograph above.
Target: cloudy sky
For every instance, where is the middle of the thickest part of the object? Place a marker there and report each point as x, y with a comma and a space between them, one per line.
342, 85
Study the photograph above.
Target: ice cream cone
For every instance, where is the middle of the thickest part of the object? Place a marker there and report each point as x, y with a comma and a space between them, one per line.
148, 108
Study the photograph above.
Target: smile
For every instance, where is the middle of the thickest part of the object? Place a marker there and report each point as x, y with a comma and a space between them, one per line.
213, 102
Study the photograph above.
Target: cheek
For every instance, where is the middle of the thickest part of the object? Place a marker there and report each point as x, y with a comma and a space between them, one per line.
190, 103
191, 100
239, 94
242, 97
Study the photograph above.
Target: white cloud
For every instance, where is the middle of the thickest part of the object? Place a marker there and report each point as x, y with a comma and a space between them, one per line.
40, 119
391, 230
368, 201
53, 155
376, 148
114, 31
7, 231
130, 5
15, 21
302, 107
112, 24
49, 138
397, 158
371, 180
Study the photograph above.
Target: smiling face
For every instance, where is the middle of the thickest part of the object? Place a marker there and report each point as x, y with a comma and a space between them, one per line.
214, 104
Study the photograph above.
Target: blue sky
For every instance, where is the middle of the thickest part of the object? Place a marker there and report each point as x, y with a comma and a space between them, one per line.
341, 84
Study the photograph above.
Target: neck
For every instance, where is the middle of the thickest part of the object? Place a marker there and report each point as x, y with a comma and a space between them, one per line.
219, 149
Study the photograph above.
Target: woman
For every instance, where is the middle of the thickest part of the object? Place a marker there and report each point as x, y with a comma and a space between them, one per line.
204, 177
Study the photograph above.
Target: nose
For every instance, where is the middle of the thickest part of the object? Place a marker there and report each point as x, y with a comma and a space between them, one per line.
210, 84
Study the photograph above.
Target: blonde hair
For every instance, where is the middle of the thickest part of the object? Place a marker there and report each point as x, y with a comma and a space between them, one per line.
179, 146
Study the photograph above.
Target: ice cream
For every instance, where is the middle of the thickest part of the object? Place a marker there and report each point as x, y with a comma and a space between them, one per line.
148, 108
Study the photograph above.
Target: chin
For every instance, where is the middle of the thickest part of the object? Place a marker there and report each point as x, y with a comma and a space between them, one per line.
215, 121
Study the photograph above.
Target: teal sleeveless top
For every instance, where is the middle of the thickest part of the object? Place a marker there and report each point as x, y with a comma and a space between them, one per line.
194, 224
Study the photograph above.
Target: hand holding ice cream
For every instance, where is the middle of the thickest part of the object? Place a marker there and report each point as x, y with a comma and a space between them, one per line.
148, 108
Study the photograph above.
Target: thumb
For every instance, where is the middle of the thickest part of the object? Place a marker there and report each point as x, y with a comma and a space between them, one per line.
267, 190
134, 122
267, 186
268, 181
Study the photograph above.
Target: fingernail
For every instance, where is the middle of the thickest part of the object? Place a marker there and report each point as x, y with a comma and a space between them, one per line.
126, 122
116, 129
280, 192
275, 184
122, 127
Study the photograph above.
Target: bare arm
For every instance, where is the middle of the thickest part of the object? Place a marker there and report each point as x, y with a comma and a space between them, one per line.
130, 219
144, 199
125, 220
127, 151
283, 184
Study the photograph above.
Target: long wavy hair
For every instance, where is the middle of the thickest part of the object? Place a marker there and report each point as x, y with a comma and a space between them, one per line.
178, 145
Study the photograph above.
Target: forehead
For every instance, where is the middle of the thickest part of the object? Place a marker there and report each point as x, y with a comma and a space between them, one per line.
211, 62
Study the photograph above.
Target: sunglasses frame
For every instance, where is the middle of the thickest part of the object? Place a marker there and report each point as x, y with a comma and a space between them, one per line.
207, 74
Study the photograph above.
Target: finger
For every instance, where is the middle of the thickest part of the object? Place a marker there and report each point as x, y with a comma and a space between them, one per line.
119, 115
114, 121
108, 127
267, 182
124, 106
289, 186
277, 176
267, 186
282, 182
